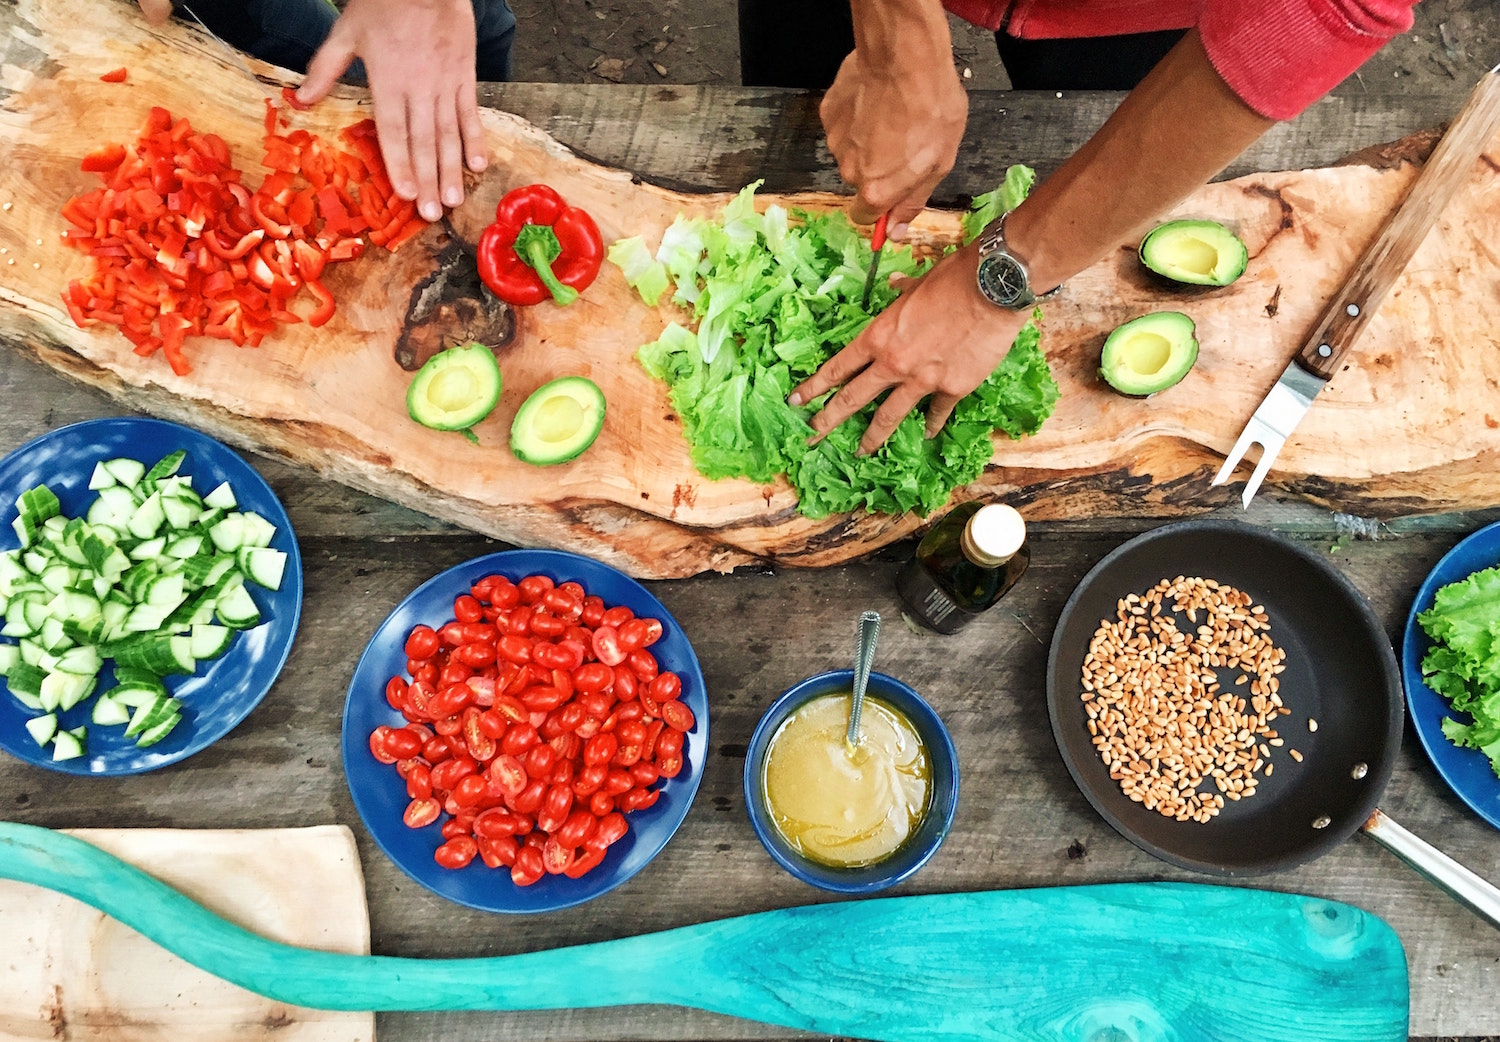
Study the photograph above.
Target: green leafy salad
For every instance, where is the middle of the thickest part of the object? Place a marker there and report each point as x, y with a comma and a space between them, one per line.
1464, 663
774, 295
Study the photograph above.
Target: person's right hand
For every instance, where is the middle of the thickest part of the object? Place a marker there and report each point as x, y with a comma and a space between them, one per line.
419, 57
895, 132
156, 11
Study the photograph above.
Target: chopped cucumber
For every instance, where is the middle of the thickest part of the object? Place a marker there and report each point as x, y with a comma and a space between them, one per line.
151, 575
42, 728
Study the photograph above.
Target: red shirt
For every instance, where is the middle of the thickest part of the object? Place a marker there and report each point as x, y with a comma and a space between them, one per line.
1278, 55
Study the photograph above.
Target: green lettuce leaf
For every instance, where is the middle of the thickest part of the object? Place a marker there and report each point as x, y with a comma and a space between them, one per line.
1008, 196
775, 295
1463, 665
643, 273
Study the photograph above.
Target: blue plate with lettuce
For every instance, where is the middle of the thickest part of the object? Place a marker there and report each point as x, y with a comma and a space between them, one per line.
769, 295
1450, 661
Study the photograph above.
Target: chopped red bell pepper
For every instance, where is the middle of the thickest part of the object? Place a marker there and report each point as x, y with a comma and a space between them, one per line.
539, 246
115, 75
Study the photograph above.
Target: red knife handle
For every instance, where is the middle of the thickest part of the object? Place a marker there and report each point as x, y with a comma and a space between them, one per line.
877, 237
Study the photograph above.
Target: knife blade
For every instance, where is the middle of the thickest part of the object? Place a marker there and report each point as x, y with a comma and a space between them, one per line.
234, 54
877, 244
1366, 286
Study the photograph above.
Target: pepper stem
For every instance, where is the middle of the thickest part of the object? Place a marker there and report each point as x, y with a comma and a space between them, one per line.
538, 246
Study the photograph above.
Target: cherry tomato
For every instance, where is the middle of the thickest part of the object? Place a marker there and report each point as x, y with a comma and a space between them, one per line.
579, 826
436, 751
421, 813
378, 739
499, 852
563, 770
556, 858
543, 699
514, 648
419, 782
528, 867
538, 760
607, 648
644, 774
484, 690
474, 655
616, 617
507, 776
519, 738
612, 828
678, 716
452, 634
593, 676
600, 749
584, 863
528, 799
653, 732
666, 687
589, 727
631, 732
470, 790
588, 779
447, 774
641, 662
637, 799
669, 744
456, 852
480, 745
518, 623
454, 826
395, 693
450, 700
617, 781
555, 807
563, 604
427, 674
549, 626
448, 726
593, 611
422, 642
505, 595
601, 803
453, 673
570, 716
568, 746
596, 703
466, 608
625, 685
534, 588
669, 766
577, 649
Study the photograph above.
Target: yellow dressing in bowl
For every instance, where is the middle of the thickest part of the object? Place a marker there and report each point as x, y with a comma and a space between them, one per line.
841, 808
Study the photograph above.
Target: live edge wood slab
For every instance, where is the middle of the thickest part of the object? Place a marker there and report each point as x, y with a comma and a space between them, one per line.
1412, 425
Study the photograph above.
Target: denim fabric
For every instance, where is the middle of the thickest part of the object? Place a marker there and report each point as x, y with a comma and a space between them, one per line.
288, 32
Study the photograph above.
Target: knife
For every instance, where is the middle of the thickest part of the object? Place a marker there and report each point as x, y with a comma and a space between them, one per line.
238, 58
1352, 307
877, 243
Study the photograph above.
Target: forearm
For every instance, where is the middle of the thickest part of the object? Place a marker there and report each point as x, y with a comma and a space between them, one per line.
902, 34
1174, 132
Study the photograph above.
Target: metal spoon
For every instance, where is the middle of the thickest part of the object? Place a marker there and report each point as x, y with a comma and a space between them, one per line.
869, 631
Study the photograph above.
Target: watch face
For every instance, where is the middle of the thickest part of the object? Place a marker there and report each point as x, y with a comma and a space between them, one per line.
1003, 280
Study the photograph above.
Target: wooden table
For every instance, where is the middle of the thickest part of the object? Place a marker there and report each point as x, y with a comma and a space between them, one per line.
1020, 822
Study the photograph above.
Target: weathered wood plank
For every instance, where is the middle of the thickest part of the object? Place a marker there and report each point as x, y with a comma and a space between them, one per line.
1018, 817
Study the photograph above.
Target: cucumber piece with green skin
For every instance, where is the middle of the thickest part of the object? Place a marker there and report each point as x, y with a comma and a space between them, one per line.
108, 712
127, 472
101, 477
263, 565
558, 421
39, 504
166, 466
66, 746
455, 389
1198, 253
1149, 354
154, 733
10, 654
42, 728
221, 498
236, 609
210, 641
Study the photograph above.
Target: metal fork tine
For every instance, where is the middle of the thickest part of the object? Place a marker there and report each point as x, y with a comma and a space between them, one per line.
1247, 438
1269, 447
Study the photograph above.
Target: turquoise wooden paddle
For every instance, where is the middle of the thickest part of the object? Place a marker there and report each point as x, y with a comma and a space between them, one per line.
1146, 962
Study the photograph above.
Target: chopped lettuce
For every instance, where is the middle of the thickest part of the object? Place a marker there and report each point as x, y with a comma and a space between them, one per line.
643, 273
775, 295
1463, 664
1018, 181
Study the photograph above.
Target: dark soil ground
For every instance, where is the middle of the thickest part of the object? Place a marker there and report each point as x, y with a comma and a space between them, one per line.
697, 41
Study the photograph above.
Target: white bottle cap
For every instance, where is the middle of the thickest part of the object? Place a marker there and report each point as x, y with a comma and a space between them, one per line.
996, 532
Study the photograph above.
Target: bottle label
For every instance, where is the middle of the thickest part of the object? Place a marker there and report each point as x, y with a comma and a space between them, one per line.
930, 605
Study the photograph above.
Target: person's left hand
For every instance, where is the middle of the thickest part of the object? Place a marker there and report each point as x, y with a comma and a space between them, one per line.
419, 56
940, 338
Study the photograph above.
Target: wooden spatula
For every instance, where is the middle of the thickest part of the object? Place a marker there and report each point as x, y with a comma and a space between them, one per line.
1139, 961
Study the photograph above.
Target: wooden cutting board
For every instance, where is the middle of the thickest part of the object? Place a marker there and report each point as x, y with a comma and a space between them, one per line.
70, 972
1412, 425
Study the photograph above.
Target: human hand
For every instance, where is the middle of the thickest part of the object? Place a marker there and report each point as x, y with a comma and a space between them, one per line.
894, 129
156, 11
419, 56
940, 338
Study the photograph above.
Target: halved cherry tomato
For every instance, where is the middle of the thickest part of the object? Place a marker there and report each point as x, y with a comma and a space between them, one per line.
606, 644
528, 867
456, 852
534, 587
666, 687
678, 716
422, 642
421, 813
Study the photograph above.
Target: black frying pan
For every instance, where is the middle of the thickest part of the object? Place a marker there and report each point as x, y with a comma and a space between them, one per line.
1341, 671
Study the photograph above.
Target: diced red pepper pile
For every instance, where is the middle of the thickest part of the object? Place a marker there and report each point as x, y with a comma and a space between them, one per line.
183, 248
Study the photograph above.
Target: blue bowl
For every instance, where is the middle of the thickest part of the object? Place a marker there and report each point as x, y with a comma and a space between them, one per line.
919, 847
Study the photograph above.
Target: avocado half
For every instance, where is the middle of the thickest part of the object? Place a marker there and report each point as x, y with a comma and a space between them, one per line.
455, 389
1150, 353
1200, 253
558, 421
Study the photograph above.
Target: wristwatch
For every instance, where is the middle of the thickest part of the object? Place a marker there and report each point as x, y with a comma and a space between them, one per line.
1002, 276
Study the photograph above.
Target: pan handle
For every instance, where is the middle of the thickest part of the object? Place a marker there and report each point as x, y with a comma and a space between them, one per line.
1464, 885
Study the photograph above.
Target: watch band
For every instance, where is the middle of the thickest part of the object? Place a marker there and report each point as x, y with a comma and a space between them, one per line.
1002, 276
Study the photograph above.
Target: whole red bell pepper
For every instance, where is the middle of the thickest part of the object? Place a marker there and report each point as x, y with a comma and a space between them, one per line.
539, 246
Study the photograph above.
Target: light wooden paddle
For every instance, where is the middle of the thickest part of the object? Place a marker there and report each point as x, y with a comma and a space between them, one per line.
1147, 962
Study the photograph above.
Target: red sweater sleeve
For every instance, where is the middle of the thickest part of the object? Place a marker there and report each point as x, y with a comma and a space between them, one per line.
1282, 55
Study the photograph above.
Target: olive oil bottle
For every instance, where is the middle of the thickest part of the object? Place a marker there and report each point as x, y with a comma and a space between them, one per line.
964, 564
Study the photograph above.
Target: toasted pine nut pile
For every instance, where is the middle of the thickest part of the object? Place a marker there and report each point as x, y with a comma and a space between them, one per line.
1159, 717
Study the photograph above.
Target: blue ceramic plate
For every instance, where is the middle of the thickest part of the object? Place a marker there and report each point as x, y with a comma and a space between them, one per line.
380, 794
1467, 771
223, 691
